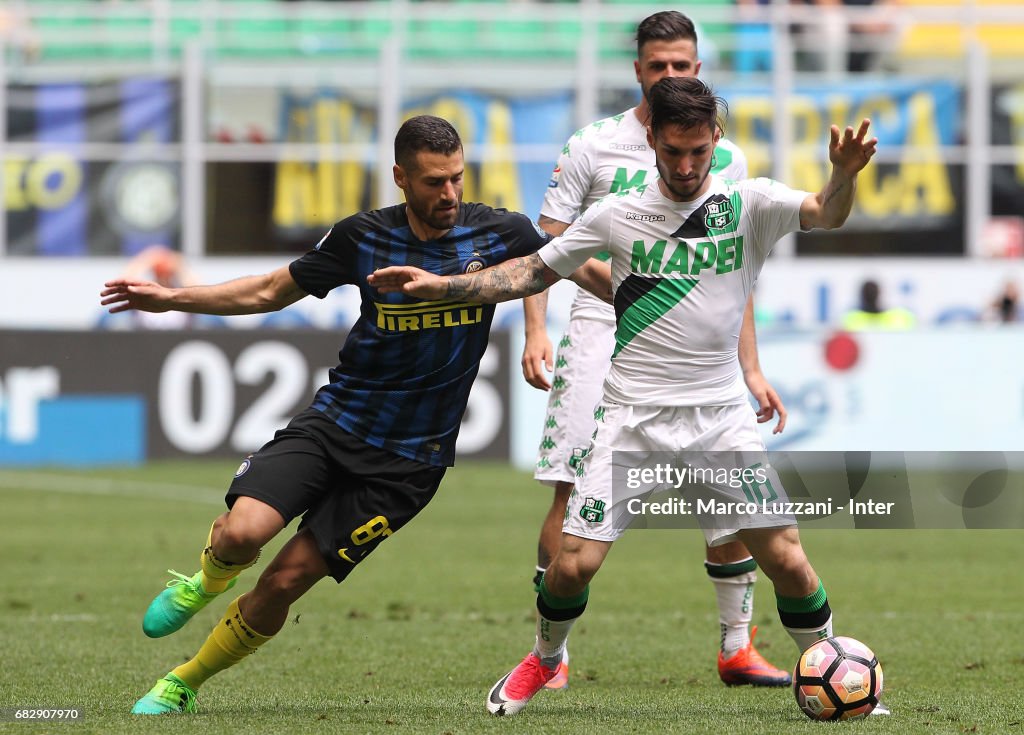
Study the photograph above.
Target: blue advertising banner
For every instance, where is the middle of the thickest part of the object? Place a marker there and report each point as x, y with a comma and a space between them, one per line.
68, 398
59, 202
922, 115
918, 196
310, 196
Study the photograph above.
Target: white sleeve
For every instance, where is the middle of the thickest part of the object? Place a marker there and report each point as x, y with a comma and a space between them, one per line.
570, 182
734, 159
588, 236
739, 162
774, 211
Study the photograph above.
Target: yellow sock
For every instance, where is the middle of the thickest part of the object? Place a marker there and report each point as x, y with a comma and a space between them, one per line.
230, 642
217, 572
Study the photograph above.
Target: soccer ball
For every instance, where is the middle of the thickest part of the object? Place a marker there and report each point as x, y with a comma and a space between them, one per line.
837, 679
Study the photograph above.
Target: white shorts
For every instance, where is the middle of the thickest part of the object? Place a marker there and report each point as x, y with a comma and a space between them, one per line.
583, 358
630, 438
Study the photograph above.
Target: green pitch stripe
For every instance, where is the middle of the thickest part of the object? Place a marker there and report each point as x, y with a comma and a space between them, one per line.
649, 308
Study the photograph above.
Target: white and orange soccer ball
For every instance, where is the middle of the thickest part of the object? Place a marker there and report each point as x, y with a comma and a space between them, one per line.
837, 679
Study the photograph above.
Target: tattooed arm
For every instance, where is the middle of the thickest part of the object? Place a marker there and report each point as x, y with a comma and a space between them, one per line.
503, 282
849, 153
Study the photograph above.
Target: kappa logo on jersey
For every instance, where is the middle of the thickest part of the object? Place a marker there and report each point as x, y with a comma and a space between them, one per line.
629, 147
640, 216
555, 176
427, 315
592, 510
718, 213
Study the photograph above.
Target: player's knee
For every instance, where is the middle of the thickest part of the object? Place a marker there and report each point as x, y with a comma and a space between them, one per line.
729, 553
237, 540
790, 566
574, 570
282, 585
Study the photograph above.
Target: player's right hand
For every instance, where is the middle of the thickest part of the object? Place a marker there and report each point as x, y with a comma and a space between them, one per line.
408, 280
537, 358
124, 294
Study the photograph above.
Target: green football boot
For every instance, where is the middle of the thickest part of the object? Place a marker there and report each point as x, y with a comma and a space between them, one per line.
169, 695
176, 605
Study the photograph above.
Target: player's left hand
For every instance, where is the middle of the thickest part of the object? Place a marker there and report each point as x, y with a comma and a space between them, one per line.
768, 402
408, 280
848, 151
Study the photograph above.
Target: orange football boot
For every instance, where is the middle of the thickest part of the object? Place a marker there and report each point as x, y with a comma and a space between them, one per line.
747, 666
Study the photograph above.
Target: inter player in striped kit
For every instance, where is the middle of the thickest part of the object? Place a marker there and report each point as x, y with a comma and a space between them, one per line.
611, 156
686, 252
371, 450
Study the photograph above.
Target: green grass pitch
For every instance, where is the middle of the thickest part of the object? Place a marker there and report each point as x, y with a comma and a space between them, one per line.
413, 640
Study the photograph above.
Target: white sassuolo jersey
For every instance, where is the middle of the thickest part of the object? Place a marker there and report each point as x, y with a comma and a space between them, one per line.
681, 276
608, 157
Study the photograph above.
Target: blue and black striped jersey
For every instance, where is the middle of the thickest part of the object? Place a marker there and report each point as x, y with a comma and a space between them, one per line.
407, 366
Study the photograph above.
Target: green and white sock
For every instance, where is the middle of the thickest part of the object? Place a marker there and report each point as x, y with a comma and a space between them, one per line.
734, 587
555, 617
806, 619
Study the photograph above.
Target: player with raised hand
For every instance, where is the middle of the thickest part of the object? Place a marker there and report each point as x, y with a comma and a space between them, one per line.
608, 157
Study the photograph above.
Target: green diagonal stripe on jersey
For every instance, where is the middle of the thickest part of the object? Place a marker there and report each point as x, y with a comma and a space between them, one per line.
649, 308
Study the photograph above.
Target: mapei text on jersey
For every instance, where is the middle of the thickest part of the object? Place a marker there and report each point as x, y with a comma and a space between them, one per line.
724, 256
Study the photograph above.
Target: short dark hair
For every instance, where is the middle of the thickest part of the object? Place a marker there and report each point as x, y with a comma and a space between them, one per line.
687, 102
668, 25
425, 133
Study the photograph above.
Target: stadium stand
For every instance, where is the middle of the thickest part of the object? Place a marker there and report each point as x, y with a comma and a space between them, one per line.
85, 30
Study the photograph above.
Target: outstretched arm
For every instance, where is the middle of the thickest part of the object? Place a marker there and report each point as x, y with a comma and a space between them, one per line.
849, 153
249, 295
512, 279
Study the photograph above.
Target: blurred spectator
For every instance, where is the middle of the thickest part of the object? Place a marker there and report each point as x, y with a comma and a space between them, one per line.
874, 30
835, 45
753, 39
1005, 309
16, 31
871, 315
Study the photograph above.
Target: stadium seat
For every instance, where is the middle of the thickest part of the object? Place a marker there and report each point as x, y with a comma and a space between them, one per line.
950, 40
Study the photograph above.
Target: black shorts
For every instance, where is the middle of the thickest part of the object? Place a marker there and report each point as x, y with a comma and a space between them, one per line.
354, 495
